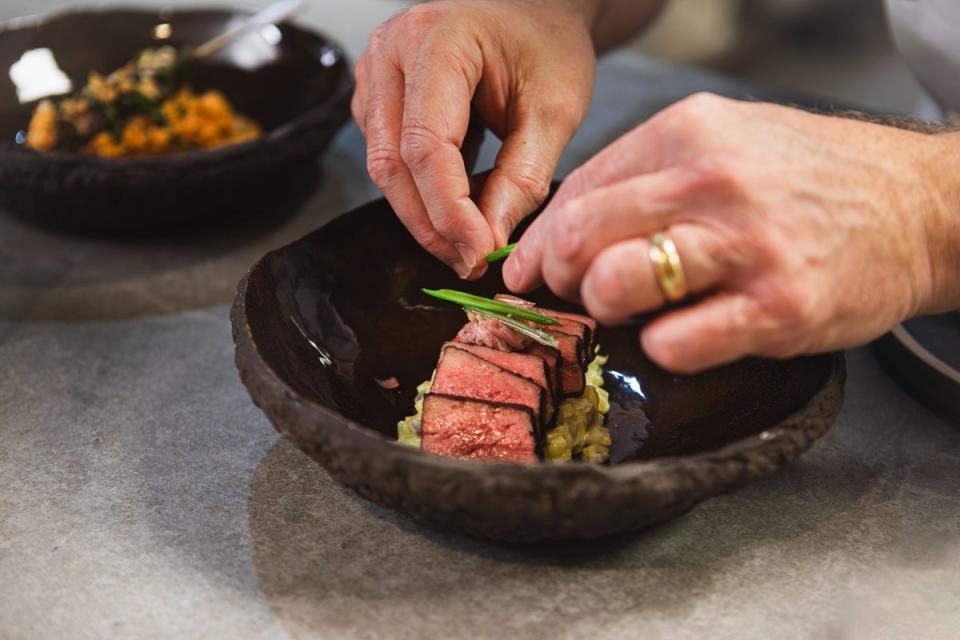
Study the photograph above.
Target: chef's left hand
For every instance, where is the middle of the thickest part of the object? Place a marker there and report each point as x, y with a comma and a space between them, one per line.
803, 233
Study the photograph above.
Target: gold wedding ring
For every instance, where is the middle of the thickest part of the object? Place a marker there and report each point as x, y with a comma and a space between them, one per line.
667, 267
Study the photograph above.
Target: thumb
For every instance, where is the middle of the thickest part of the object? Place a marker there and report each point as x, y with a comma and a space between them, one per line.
520, 180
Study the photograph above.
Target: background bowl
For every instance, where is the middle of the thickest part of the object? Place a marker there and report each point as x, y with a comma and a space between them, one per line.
318, 321
923, 355
297, 86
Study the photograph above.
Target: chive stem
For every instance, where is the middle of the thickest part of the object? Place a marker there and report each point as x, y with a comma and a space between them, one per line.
500, 254
488, 304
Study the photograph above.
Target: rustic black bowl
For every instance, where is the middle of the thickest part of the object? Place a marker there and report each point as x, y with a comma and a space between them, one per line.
317, 322
923, 355
297, 88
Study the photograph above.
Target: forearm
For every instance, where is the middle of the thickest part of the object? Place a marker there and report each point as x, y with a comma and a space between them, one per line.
613, 22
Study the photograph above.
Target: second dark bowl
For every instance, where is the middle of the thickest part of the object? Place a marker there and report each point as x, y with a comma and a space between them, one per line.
297, 88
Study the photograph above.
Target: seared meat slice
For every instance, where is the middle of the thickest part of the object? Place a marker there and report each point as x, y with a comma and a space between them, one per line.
478, 430
572, 368
581, 326
526, 365
551, 358
465, 375
571, 328
590, 338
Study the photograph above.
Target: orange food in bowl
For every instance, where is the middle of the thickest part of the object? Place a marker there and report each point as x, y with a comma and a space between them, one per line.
191, 121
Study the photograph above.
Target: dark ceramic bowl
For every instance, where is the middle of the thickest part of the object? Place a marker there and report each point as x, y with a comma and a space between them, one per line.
317, 322
298, 89
923, 355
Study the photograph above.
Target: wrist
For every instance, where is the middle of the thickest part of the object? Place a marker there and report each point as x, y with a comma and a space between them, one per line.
940, 159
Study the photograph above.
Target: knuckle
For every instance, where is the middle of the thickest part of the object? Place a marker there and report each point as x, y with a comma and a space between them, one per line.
690, 115
716, 171
378, 38
431, 241
797, 305
562, 110
790, 309
701, 101
741, 317
417, 145
574, 184
448, 222
533, 184
383, 164
360, 71
421, 18
567, 220
606, 288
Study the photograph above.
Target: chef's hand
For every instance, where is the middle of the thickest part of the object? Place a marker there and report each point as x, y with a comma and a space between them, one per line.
526, 69
803, 233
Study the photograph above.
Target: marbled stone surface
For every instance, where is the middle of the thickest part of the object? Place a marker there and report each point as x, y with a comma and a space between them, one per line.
142, 495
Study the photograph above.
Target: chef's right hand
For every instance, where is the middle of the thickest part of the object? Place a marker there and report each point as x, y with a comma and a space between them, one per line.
525, 67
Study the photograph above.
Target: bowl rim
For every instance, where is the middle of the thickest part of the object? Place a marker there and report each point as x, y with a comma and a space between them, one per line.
345, 86
256, 372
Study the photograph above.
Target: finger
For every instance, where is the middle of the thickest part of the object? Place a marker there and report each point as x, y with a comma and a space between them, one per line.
634, 154
621, 281
383, 121
521, 271
358, 103
436, 115
721, 329
587, 225
521, 176
674, 135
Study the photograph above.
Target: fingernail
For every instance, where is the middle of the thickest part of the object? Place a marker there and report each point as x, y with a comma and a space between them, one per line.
513, 271
468, 254
462, 270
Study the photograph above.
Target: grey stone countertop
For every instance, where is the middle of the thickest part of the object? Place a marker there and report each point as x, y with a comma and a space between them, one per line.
142, 495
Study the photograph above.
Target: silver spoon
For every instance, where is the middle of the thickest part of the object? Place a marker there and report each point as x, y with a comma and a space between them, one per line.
274, 14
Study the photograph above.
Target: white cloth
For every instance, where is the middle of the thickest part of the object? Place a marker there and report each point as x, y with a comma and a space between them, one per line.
928, 35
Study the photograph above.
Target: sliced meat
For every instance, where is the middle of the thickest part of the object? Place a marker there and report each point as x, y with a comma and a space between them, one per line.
590, 338
478, 430
491, 333
572, 323
465, 375
523, 364
551, 358
580, 331
572, 368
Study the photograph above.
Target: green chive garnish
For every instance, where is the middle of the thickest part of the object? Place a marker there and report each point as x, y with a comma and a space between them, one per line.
500, 254
488, 304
